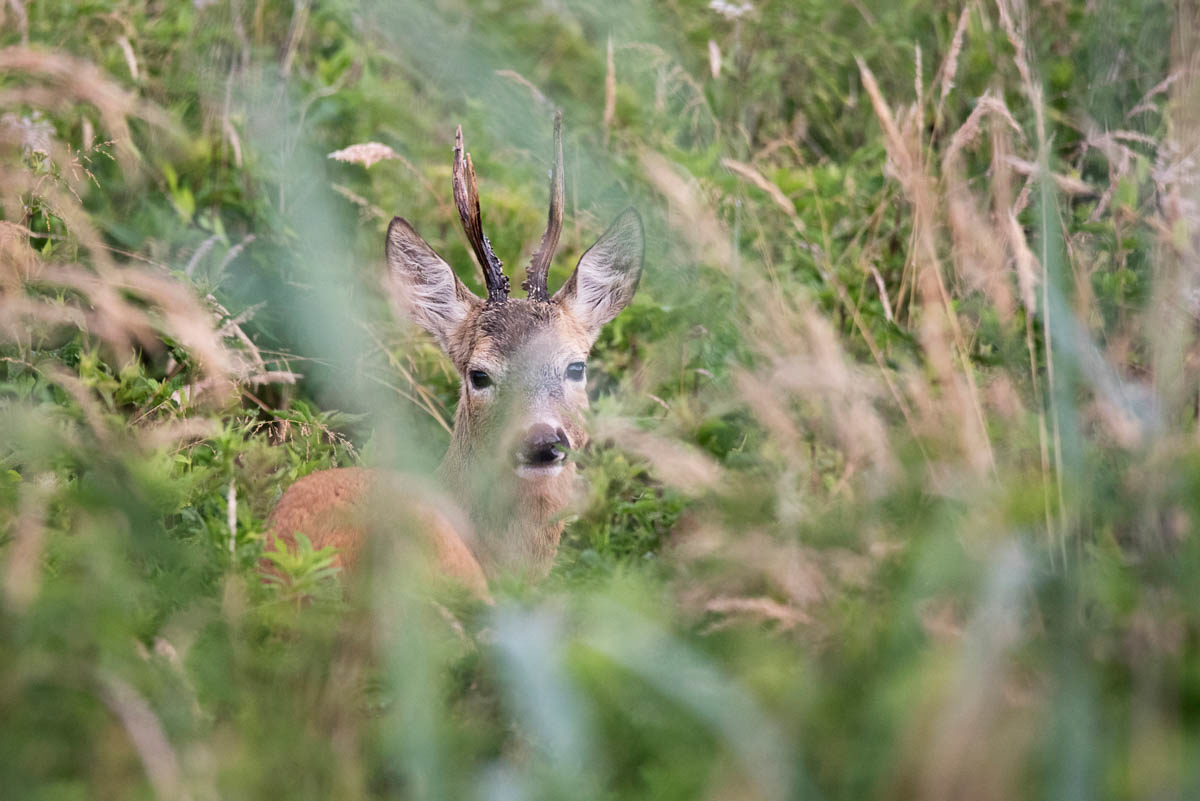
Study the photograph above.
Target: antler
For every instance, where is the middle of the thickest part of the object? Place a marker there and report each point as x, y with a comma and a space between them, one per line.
539, 264
466, 197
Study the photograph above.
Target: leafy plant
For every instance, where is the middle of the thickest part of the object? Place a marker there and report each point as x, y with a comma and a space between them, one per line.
301, 571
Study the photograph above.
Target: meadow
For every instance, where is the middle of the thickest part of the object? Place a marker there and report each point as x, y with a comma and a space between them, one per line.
894, 483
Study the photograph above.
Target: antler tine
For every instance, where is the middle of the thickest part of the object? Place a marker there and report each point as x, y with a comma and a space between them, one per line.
466, 197
539, 264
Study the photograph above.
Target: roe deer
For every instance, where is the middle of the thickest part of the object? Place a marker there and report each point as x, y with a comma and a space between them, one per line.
522, 365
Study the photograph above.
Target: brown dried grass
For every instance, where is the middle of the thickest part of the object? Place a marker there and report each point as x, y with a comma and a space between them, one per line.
83, 285
69, 81
967, 242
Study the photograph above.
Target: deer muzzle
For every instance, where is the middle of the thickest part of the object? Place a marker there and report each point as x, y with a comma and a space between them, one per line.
543, 448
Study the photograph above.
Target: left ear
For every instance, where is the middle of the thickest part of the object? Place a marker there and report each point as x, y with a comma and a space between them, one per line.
607, 274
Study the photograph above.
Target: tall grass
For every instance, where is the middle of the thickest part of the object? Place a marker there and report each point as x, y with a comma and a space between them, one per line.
894, 483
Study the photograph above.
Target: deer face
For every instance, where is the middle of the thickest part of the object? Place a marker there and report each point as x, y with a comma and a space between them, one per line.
523, 361
524, 368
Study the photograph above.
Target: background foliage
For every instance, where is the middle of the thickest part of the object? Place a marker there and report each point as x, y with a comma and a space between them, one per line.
894, 491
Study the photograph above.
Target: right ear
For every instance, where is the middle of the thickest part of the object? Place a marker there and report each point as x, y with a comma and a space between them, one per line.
607, 274
425, 285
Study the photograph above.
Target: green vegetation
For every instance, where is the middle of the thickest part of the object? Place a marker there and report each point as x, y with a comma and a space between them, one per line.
894, 490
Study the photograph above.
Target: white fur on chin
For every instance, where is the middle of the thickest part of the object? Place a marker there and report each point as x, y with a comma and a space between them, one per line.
539, 472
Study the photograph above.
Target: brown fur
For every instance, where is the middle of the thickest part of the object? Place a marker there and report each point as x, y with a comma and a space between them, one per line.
333, 508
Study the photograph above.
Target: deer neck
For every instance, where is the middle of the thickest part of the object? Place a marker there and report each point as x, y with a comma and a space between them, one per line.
516, 523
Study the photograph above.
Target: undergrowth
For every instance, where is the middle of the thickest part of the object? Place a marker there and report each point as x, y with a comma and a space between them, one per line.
893, 487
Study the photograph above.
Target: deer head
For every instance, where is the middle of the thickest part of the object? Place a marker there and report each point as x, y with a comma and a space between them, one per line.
522, 362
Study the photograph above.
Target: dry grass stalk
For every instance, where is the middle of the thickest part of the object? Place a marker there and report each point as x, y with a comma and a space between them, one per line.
1146, 104
231, 515
610, 93
300, 9
199, 254
765, 578
804, 364
121, 305
772, 189
130, 57
366, 154
15, 253
949, 67
1121, 159
367, 211
22, 184
756, 609
940, 334
806, 381
975, 255
919, 89
671, 78
824, 374
1014, 18
1011, 232
174, 434
22, 566
764, 402
883, 294
92, 412
1172, 339
675, 463
418, 394
18, 9
538, 96
147, 735
78, 81
984, 702
1065, 183
234, 252
689, 211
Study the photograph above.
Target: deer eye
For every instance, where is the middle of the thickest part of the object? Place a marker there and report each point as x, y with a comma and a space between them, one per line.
479, 379
575, 371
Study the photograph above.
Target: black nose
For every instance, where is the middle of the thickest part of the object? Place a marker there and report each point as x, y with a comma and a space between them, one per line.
544, 445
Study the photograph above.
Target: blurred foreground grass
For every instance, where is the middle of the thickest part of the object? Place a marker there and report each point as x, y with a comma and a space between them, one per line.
895, 491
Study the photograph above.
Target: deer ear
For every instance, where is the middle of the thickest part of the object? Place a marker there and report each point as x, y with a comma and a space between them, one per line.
424, 285
607, 275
